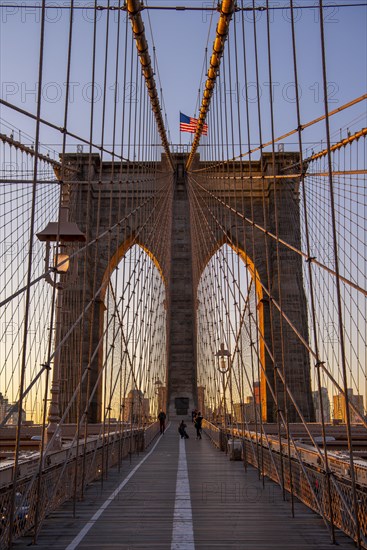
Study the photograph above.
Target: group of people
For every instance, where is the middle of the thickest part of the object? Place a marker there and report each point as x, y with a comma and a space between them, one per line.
197, 420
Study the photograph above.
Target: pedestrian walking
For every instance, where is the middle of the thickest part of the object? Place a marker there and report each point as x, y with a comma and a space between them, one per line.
162, 421
197, 425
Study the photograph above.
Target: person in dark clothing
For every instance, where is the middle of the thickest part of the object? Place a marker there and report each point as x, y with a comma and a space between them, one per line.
198, 422
182, 430
162, 421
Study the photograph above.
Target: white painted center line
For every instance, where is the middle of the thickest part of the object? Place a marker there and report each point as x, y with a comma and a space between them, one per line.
182, 530
78, 539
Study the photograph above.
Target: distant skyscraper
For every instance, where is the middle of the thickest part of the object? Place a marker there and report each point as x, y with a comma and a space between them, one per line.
246, 412
257, 392
4, 409
325, 405
238, 409
136, 407
340, 409
4, 405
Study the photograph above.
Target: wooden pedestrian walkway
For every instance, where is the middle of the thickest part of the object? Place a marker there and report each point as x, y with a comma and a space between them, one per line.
184, 495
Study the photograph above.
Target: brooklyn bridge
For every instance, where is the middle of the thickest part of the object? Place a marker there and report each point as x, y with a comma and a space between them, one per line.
220, 273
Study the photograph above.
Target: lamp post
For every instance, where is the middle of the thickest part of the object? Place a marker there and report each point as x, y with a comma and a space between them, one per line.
159, 384
223, 367
61, 232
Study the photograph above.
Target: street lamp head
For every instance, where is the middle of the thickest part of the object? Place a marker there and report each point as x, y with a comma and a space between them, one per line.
64, 231
223, 353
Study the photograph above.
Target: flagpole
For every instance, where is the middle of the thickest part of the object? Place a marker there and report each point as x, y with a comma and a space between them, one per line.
179, 126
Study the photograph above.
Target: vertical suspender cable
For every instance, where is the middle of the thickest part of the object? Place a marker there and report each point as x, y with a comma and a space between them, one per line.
226, 11
310, 274
29, 276
134, 7
62, 183
337, 277
278, 266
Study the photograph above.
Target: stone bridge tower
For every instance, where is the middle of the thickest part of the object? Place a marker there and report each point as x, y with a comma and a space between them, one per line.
181, 287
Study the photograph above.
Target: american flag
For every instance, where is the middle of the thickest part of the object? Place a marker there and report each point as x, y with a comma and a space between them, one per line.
189, 124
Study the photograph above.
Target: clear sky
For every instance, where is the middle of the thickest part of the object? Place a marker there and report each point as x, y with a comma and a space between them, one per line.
180, 39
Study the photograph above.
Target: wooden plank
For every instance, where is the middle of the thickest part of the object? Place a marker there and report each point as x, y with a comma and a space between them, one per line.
231, 508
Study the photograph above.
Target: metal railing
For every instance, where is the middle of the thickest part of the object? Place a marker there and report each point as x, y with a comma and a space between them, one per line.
308, 482
58, 477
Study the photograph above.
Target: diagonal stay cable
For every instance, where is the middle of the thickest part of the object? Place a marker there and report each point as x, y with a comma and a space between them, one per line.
282, 241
